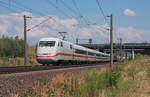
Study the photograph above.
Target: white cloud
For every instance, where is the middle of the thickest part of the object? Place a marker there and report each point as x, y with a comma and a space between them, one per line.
129, 12
130, 34
12, 25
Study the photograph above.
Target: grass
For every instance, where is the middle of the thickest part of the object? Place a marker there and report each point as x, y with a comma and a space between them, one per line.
133, 82
130, 79
148, 72
11, 61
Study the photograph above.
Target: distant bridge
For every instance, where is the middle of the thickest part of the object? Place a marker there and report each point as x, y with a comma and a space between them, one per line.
137, 47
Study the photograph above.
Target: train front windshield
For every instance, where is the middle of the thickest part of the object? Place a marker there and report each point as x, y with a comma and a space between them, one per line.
47, 43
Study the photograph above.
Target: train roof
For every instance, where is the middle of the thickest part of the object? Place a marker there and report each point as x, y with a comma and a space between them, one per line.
49, 38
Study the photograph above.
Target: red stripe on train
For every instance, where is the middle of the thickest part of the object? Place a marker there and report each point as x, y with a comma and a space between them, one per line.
64, 54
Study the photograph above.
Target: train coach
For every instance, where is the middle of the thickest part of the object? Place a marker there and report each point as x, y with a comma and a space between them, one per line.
55, 51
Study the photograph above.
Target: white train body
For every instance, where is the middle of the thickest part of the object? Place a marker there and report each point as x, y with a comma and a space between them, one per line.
53, 50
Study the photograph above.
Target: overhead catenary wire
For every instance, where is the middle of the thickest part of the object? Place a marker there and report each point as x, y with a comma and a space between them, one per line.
99, 6
13, 7
53, 5
81, 16
105, 17
20, 6
5, 5
28, 8
71, 9
67, 15
87, 22
78, 13
68, 7
1, 4
49, 17
25, 8
40, 23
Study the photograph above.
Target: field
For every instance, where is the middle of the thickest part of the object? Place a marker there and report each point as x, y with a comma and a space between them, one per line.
19, 61
129, 79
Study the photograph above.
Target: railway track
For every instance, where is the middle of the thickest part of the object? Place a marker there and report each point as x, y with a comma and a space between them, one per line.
19, 69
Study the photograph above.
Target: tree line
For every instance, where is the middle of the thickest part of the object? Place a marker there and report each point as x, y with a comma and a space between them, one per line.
11, 47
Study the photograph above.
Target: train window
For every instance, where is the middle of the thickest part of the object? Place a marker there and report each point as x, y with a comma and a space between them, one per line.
80, 51
61, 43
91, 54
47, 43
98, 55
103, 55
70, 46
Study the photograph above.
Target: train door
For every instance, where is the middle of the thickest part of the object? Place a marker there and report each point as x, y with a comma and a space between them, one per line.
62, 50
72, 52
75, 58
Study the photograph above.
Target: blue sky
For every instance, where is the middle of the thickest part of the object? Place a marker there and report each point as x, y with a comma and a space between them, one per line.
131, 18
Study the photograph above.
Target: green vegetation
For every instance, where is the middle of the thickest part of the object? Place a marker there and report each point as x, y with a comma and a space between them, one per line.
89, 85
31, 93
10, 47
148, 72
12, 52
4, 61
130, 79
7, 92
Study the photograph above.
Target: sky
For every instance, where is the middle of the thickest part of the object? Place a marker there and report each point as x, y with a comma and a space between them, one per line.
81, 19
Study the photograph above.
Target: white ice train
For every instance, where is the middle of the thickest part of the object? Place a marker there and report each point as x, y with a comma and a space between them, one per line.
54, 50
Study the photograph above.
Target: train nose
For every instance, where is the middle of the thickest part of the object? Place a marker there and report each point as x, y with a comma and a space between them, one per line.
45, 51
45, 60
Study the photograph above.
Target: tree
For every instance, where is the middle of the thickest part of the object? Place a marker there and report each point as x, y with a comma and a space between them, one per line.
11, 47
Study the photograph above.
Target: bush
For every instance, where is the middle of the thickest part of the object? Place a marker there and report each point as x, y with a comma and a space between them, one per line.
115, 76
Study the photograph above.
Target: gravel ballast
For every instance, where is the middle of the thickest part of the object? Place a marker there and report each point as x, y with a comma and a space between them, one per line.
18, 83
